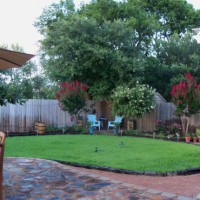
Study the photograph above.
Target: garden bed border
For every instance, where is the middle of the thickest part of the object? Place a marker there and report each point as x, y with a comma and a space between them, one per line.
189, 171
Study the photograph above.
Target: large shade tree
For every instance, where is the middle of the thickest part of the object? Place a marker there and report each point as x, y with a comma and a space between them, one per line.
173, 57
109, 43
101, 56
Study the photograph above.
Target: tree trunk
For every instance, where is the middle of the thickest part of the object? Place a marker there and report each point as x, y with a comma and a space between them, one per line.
185, 121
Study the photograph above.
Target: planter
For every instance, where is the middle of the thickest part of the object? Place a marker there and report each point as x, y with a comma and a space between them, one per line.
187, 139
116, 130
91, 130
195, 140
199, 138
41, 128
36, 126
80, 123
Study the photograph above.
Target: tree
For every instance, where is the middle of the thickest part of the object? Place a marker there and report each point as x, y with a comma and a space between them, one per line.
183, 50
133, 102
173, 16
108, 43
186, 97
71, 97
101, 56
54, 13
172, 58
156, 19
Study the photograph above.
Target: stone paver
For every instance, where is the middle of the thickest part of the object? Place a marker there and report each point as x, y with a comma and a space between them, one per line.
48, 180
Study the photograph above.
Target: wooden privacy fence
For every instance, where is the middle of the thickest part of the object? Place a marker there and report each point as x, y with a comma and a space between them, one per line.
163, 111
21, 118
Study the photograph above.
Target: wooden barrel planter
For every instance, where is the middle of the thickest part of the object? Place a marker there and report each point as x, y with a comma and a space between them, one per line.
36, 126
41, 127
80, 123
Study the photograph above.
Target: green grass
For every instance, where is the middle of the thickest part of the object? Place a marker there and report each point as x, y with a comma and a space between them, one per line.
136, 154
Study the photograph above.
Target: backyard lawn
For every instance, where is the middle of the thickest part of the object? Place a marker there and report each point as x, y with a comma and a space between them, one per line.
129, 153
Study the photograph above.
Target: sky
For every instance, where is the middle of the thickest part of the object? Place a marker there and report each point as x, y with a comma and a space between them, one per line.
17, 19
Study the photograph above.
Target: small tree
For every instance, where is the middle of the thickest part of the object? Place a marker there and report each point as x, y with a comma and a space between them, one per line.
71, 97
133, 102
186, 97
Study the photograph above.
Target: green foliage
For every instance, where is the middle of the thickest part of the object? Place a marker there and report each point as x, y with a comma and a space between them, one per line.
71, 97
173, 16
72, 104
19, 84
107, 43
54, 129
198, 132
178, 50
117, 124
169, 126
132, 132
133, 102
186, 96
102, 57
173, 57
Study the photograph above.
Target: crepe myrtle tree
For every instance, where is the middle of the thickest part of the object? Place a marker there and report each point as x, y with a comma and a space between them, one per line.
186, 96
133, 102
71, 97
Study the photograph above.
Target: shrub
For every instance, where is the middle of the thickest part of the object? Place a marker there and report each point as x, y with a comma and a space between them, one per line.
71, 97
133, 102
186, 97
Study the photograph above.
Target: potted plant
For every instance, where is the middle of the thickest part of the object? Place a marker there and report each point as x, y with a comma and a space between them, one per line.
198, 133
116, 127
187, 137
90, 127
80, 121
194, 138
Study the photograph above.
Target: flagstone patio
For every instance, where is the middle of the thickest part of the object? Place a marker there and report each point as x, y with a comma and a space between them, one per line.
38, 179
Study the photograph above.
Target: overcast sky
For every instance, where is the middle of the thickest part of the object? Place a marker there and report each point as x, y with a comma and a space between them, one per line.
17, 18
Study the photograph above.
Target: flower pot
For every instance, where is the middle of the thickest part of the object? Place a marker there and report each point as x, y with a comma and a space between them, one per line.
91, 130
80, 123
195, 140
116, 130
187, 139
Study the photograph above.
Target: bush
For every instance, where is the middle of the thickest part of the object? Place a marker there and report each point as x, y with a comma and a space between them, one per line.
133, 102
71, 97
169, 126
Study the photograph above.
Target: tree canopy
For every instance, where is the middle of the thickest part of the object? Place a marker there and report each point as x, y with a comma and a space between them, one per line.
133, 102
107, 43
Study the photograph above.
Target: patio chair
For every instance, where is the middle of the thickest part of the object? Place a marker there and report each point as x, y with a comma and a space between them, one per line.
92, 119
118, 119
2, 143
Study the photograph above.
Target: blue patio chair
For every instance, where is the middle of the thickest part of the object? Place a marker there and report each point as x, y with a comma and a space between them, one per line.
92, 119
118, 119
